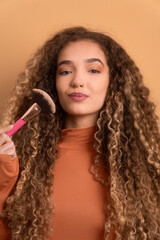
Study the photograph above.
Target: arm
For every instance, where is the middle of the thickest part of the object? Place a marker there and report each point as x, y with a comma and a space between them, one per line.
9, 169
8, 175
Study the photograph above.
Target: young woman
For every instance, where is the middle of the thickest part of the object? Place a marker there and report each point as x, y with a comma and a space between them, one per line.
91, 171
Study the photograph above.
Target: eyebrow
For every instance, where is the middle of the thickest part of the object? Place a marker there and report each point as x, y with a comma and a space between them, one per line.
90, 60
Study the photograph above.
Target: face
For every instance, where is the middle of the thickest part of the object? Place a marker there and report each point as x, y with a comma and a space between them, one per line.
82, 78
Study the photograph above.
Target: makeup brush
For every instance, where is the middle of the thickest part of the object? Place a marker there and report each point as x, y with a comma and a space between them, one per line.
41, 103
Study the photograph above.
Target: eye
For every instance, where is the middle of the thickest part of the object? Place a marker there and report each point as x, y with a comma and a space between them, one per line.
94, 71
65, 72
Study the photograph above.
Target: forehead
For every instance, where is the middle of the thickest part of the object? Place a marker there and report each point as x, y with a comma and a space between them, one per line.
81, 49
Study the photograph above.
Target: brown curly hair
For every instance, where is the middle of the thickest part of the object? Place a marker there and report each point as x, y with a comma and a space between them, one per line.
127, 137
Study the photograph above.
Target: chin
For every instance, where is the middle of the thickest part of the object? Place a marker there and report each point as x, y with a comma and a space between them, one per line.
74, 110
77, 113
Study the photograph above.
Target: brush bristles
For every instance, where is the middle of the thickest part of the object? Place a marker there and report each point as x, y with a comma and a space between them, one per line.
43, 100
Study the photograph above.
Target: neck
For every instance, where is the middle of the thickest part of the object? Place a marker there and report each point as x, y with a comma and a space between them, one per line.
79, 121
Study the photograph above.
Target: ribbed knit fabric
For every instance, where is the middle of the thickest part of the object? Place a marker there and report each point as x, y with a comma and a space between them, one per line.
8, 175
78, 198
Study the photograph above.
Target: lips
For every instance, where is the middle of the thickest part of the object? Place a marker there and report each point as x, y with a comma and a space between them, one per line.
78, 96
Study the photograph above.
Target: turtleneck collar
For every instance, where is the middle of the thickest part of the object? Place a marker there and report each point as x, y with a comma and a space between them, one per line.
77, 138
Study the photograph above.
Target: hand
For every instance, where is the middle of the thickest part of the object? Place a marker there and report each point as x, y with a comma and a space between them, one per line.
6, 144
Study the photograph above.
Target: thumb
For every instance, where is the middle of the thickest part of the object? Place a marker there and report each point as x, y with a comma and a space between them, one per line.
6, 129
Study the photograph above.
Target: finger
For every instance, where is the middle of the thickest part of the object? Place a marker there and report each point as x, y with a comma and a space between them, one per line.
6, 146
11, 152
4, 138
8, 139
6, 129
14, 155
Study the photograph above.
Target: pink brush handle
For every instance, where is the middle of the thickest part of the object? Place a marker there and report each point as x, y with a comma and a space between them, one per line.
16, 127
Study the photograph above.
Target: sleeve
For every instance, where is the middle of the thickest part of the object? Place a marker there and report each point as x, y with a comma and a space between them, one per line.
9, 169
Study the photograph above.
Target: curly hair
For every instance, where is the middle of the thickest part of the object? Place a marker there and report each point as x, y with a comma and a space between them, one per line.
127, 137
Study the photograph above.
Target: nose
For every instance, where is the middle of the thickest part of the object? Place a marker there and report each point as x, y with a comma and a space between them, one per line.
77, 81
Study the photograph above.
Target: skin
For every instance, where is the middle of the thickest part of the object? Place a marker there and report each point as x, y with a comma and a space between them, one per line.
85, 71
82, 67
6, 144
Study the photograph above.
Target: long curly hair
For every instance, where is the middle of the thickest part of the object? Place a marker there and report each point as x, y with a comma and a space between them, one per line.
127, 138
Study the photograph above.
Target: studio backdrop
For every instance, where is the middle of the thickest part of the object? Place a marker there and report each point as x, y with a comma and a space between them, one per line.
25, 25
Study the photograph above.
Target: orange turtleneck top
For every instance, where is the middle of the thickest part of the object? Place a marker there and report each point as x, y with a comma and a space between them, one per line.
78, 198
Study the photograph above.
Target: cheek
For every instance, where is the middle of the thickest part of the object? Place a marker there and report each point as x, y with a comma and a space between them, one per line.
99, 93
60, 88
100, 87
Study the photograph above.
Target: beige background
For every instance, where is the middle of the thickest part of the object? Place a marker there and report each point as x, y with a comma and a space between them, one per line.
26, 24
